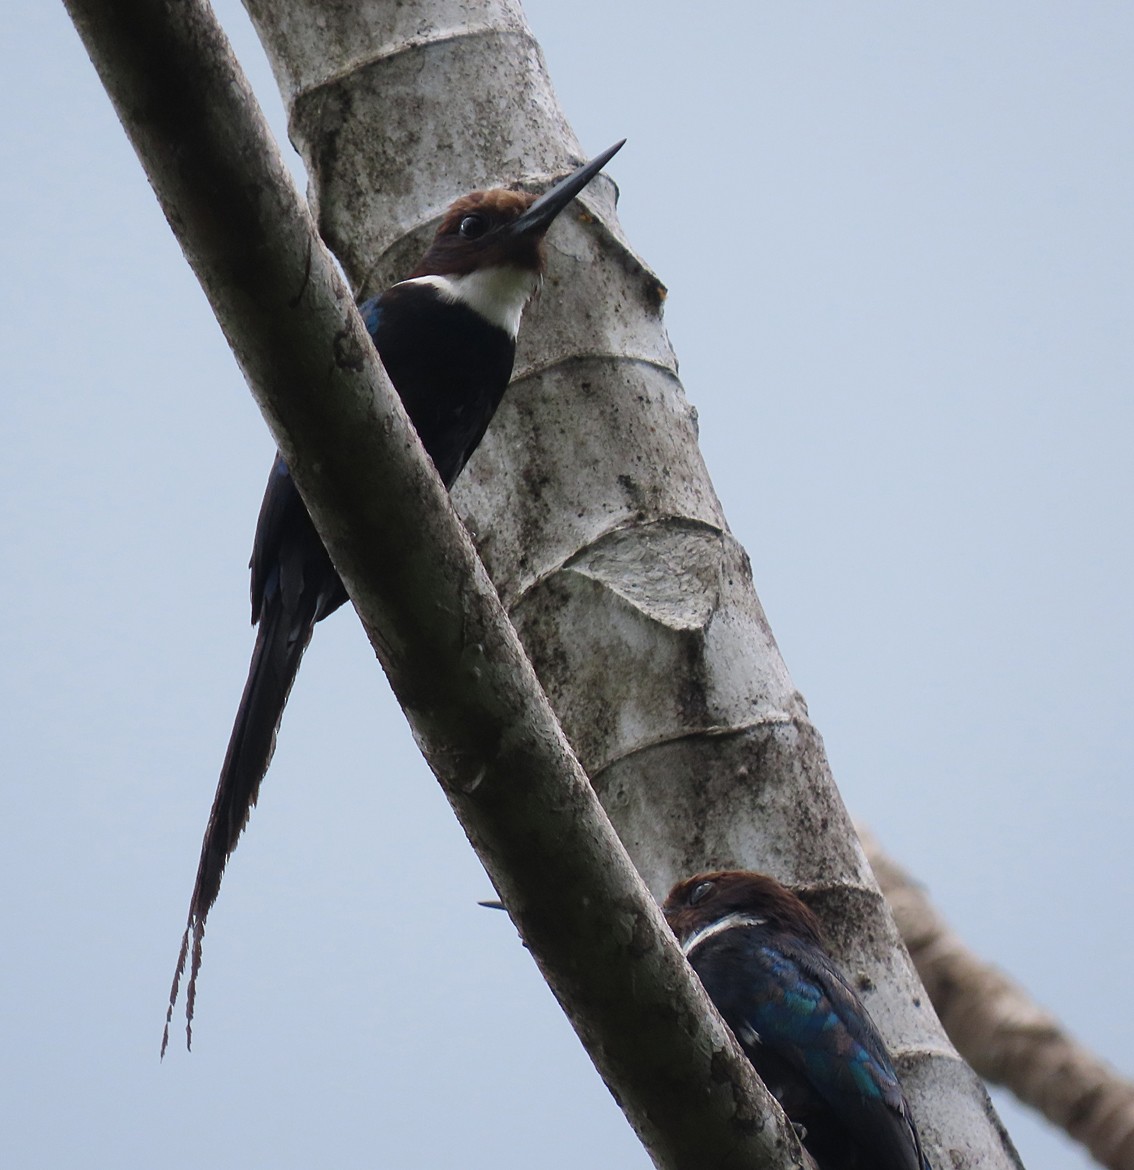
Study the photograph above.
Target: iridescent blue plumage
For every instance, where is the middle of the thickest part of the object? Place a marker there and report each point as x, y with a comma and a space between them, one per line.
756, 947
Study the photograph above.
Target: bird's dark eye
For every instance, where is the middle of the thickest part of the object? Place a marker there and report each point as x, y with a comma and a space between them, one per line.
473, 226
700, 892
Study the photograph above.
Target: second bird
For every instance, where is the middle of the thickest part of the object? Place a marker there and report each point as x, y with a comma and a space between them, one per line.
447, 338
757, 949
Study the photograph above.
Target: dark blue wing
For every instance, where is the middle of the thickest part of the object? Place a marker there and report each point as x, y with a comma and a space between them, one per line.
293, 586
815, 1046
451, 372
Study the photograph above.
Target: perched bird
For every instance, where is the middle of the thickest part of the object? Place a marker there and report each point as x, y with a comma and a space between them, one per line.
757, 949
447, 338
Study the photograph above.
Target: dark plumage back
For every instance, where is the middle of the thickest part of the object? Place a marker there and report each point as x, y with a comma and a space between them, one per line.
758, 950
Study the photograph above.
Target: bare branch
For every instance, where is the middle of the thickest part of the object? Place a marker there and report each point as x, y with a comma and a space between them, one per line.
1003, 1033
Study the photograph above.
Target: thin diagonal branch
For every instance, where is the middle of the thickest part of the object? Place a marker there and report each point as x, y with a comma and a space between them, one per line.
1008, 1038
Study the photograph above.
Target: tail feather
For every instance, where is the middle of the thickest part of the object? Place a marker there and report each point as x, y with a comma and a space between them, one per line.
281, 639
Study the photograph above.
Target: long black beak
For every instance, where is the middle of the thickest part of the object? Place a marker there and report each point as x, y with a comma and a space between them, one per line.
495, 905
538, 217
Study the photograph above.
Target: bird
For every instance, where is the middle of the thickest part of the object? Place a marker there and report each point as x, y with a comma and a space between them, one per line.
758, 950
446, 335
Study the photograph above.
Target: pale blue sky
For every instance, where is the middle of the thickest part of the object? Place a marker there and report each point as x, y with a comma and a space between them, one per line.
898, 244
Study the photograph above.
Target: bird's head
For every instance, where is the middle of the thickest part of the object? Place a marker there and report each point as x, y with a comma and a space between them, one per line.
708, 898
502, 229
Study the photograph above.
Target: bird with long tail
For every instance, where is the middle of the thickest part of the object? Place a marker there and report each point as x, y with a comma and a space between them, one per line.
447, 339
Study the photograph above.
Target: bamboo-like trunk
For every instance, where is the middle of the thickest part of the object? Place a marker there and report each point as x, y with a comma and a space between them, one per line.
591, 505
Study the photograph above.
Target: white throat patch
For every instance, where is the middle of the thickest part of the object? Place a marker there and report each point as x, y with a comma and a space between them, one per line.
498, 294
729, 922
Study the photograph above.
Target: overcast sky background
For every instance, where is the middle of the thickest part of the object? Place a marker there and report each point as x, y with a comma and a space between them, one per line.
898, 243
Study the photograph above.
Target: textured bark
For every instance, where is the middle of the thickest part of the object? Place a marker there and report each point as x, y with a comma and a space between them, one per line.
432, 614
591, 505
1004, 1035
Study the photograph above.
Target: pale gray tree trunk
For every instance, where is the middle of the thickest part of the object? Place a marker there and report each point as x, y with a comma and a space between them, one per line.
590, 502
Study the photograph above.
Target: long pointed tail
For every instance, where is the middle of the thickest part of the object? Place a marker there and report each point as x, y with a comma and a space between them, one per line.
281, 640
